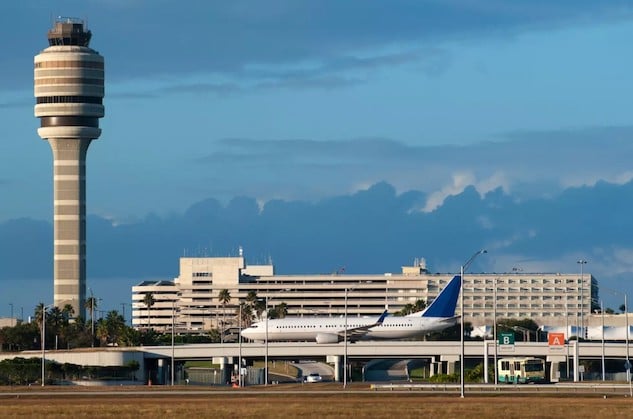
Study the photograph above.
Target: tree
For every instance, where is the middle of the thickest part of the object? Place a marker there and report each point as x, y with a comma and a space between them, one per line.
149, 301
68, 312
409, 308
259, 307
525, 326
247, 314
111, 330
251, 298
279, 311
224, 297
406, 310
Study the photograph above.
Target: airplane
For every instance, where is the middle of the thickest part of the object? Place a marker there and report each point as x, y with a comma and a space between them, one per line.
437, 316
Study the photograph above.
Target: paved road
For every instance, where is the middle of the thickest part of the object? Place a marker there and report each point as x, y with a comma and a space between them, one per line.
311, 367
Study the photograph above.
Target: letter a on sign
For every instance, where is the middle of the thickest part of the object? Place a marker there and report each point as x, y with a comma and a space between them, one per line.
556, 339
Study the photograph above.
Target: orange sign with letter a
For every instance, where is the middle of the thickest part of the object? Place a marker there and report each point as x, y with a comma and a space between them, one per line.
556, 340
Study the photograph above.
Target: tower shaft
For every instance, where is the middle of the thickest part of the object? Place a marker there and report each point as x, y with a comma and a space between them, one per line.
69, 88
69, 220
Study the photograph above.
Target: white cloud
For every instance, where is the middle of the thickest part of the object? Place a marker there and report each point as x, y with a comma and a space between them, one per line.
460, 182
583, 179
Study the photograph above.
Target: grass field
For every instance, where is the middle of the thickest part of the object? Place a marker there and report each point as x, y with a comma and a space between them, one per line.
84, 403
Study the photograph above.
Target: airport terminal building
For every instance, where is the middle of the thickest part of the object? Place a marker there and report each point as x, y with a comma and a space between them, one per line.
193, 299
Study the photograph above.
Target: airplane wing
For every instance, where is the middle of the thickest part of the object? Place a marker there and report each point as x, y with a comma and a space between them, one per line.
356, 333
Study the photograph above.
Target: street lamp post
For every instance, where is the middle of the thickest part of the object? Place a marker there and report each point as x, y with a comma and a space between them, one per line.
44, 308
11, 305
345, 344
626, 339
567, 333
239, 340
602, 314
347, 290
582, 262
463, 268
494, 329
173, 329
266, 360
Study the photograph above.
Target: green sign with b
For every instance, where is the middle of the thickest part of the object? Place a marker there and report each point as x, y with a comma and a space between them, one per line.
506, 338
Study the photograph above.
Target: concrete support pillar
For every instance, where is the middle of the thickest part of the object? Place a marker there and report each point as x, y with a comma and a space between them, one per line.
554, 370
576, 363
451, 361
489, 349
337, 361
432, 367
226, 372
160, 371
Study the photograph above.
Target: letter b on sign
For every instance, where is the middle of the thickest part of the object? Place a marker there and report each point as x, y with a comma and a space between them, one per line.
506, 339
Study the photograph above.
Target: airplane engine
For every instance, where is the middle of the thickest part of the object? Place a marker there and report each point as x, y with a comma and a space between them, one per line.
326, 338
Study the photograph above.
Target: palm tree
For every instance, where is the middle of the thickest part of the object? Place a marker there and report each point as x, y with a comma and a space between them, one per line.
68, 311
251, 298
407, 309
247, 315
259, 307
39, 309
282, 310
55, 318
149, 301
224, 297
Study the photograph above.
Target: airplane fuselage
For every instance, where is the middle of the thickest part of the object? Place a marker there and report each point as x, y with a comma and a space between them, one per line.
331, 330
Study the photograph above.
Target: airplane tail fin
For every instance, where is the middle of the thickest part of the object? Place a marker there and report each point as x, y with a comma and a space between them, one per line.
445, 302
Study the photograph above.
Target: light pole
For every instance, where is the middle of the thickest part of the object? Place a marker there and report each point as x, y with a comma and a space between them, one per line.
463, 268
602, 314
239, 340
626, 339
44, 308
345, 344
494, 329
567, 332
266, 360
11, 305
345, 339
173, 329
582, 262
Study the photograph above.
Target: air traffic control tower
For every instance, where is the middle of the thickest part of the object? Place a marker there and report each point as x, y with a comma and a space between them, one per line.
69, 91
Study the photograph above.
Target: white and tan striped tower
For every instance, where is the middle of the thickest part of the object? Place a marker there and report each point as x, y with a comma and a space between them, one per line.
69, 88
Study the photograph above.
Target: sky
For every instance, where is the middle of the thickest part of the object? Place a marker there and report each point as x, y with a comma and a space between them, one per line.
304, 101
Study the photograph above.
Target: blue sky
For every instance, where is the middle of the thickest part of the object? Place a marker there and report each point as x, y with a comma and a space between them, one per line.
303, 100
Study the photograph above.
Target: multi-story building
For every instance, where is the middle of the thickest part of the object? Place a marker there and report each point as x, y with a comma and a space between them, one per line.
554, 299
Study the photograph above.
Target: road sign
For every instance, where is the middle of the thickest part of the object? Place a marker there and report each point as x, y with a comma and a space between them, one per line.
506, 341
506, 338
556, 341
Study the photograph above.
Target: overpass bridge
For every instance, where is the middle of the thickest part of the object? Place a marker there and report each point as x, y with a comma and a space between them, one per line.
442, 357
